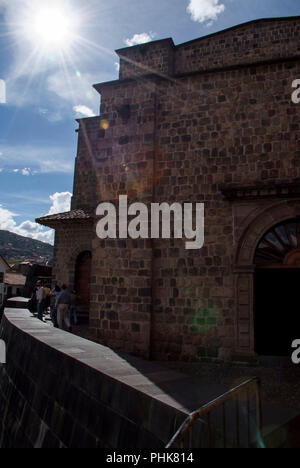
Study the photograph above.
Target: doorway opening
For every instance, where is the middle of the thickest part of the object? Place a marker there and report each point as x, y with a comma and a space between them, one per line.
82, 281
277, 290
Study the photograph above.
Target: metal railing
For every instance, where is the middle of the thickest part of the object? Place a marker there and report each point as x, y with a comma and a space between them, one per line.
233, 420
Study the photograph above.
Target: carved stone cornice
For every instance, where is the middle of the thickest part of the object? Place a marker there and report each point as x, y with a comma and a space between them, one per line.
261, 192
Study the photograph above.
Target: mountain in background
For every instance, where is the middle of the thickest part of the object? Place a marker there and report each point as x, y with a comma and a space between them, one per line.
17, 248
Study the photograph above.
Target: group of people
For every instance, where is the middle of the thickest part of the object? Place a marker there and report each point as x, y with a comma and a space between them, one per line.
61, 302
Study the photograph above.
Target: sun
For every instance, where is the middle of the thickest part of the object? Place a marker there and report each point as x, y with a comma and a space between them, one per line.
50, 28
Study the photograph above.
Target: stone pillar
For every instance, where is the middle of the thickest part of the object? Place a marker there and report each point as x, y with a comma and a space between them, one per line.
244, 286
121, 286
85, 187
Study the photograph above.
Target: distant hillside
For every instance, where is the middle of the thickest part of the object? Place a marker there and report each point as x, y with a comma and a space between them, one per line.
15, 247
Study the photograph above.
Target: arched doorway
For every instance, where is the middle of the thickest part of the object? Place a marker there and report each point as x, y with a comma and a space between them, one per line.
83, 279
277, 289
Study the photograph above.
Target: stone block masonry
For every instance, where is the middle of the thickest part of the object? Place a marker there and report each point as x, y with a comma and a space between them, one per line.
58, 390
189, 123
61, 391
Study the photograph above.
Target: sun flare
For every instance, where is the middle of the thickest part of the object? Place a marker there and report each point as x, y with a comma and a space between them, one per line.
50, 28
50, 37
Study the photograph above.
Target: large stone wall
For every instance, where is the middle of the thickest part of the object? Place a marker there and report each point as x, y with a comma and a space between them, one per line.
58, 390
61, 391
260, 40
228, 128
182, 138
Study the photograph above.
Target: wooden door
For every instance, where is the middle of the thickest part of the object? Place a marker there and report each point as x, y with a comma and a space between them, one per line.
83, 279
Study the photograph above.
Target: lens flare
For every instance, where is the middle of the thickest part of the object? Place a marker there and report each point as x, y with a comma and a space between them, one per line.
50, 27
104, 124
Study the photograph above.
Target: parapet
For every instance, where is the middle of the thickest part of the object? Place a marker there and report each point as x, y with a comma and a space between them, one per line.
255, 41
155, 57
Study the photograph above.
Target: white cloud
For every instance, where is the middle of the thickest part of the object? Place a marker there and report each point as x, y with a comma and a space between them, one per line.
7, 221
74, 88
205, 10
29, 226
84, 110
26, 228
45, 159
46, 236
61, 202
139, 39
26, 171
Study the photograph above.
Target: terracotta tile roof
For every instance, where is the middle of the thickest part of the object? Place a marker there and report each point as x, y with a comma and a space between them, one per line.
76, 215
14, 279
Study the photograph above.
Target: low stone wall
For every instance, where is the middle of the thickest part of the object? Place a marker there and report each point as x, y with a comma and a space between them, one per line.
59, 390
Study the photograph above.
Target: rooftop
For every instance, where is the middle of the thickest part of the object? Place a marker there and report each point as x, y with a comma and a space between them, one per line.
14, 279
74, 215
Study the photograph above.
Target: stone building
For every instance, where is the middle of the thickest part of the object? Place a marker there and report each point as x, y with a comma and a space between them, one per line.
14, 284
211, 121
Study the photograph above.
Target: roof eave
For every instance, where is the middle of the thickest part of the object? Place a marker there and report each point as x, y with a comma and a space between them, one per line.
55, 223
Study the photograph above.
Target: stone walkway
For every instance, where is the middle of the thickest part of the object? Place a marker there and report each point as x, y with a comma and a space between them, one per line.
280, 386
202, 382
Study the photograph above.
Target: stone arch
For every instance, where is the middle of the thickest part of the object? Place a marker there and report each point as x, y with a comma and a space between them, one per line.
72, 261
259, 223
82, 308
261, 220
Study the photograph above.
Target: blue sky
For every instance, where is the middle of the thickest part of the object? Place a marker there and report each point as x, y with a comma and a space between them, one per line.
51, 53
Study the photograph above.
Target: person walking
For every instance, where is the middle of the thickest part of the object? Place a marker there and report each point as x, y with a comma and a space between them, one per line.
32, 305
47, 298
73, 308
53, 306
63, 302
40, 297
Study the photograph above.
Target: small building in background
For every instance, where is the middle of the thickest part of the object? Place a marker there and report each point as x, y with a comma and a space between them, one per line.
36, 273
4, 267
33, 272
24, 268
14, 284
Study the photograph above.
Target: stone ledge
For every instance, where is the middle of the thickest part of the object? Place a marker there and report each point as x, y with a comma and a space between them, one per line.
72, 392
